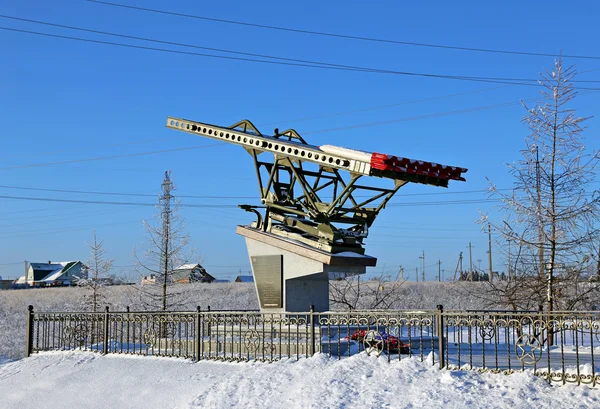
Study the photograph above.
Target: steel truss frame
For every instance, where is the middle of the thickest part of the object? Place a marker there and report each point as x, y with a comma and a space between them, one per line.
319, 208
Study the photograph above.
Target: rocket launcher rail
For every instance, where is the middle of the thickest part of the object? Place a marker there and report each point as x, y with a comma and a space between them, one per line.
354, 161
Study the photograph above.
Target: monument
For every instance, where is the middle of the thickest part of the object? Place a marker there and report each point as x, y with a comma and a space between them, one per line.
315, 209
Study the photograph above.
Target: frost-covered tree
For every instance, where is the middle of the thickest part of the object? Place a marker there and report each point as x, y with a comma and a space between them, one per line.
382, 292
96, 274
551, 212
165, 250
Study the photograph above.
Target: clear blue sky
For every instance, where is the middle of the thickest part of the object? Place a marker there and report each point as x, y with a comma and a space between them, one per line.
64, 100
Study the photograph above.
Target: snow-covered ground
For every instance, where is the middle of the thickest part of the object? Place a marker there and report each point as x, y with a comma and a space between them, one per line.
87, 380
219, 296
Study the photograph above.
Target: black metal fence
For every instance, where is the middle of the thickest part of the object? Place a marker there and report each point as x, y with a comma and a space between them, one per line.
561, 347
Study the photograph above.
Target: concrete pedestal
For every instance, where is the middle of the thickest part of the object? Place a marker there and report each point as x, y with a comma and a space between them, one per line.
291, 276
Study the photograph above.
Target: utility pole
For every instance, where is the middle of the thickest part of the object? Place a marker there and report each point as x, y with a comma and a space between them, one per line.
490, 252
423, 271
167, 186
470, 262
439, 271
417, 274
458, 267
400, 274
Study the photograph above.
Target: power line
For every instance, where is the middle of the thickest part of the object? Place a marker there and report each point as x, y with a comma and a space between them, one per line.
211, 196
108, 157
328, 67
337, 35
351, 67
446, 202
54, 231
176, 43
47, 199
236, 197
94, 147
413, 118
121, 193
55, 219
78, 191
432, 115
354, 111
400, 204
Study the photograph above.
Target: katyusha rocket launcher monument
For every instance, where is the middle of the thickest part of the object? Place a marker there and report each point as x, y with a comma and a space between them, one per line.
317, 200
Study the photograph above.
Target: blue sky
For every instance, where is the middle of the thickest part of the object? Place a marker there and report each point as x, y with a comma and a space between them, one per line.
64, 100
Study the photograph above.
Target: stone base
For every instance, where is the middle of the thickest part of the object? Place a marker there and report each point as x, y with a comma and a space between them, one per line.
291, 276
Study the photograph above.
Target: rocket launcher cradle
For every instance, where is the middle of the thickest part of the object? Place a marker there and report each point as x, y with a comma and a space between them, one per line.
311, 194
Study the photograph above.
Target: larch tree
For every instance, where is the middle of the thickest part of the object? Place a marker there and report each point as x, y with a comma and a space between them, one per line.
97, 273
166, 249
550, 215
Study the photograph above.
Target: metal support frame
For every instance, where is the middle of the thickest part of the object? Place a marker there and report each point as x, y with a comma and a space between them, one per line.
317, 207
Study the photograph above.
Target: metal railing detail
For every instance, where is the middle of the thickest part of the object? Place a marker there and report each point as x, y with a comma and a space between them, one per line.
560, 347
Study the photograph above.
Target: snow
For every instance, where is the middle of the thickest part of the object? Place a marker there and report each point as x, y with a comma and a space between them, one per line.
186, 266
88, 380
351, 254
53, 276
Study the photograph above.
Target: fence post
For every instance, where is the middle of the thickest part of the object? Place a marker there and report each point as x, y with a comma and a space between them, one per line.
29, 339
198, 339
128, 328
440, 333
106, 326
312, 330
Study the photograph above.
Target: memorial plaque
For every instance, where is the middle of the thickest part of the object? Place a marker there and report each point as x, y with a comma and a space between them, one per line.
268, 276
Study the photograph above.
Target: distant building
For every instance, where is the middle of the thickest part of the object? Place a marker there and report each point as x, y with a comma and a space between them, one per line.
53, 274
244, 279
190, 273
149, 279
184, 274
5, 284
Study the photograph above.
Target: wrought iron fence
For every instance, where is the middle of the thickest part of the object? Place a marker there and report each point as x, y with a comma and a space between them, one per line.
561, 347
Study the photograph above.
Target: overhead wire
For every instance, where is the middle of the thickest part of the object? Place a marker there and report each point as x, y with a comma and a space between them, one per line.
97, 147
94, 192
431, 115
327, 64
496, 80
373, 108
337, 35
128, 155
223, 205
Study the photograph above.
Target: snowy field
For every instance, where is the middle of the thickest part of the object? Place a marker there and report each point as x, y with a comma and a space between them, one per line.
220, 296
87, 380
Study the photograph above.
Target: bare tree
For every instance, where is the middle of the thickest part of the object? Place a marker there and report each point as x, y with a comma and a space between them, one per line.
551, 212
353, 293
166, 248
96, 274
